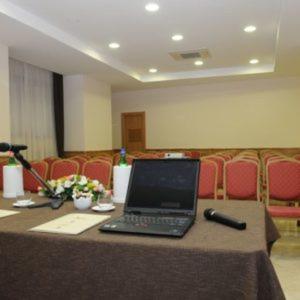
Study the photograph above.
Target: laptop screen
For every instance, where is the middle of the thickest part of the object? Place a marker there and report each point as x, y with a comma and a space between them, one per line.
163, 184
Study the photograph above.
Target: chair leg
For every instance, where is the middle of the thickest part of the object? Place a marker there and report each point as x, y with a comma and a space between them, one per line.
298, 223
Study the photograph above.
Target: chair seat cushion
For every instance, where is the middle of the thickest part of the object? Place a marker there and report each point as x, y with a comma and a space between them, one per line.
284, 211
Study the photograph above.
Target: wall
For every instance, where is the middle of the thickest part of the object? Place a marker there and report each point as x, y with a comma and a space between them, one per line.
238, 114
4, 95
87, 114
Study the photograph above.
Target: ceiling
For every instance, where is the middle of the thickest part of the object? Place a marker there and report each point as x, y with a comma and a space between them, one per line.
72, 37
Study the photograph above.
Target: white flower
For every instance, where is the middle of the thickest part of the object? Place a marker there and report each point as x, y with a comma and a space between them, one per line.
83, 180
96, 182
60, 189
68, 184
100, 188
52, 183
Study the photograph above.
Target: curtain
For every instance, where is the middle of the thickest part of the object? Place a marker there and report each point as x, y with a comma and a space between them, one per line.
31, 109
58, 102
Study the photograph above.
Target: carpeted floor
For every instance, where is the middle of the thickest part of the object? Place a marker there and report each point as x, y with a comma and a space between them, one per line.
286, 258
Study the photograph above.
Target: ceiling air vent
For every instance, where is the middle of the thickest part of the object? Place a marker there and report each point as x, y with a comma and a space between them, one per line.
192, 54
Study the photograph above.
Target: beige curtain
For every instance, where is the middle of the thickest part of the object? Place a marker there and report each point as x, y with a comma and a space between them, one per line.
31, 109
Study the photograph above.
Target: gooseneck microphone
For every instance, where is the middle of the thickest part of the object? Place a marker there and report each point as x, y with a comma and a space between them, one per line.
4, 147
212, 215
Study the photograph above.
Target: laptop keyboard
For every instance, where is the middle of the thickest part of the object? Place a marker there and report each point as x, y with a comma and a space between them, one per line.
138, 220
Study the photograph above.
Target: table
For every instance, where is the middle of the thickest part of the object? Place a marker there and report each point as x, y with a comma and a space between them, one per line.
210, 262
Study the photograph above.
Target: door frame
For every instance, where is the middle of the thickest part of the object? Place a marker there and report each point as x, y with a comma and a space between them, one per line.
123, 115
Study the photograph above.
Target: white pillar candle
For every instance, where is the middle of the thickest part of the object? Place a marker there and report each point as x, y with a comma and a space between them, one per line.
13, 181
121, 180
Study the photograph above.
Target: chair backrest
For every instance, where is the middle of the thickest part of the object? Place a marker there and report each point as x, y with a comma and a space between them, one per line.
241, 179
103, 157
64, 167
50, 160
297, 156
30, 183
81, 160
220, 162
100, 170
207, 187
283, 179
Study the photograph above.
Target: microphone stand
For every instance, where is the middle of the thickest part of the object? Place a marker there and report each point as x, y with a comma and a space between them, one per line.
56, 201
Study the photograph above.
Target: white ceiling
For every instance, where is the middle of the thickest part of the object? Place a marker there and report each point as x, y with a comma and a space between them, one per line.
72, 36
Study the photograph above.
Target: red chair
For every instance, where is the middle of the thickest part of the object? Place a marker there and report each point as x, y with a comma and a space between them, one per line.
103, 157
220, 162
283, 179
81, 160
207, 188
64, 167
241, 180
283, 184
50, 161
30, 183
100, 170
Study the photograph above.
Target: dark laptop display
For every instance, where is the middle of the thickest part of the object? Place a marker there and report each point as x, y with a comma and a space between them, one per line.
161, 198
167, 184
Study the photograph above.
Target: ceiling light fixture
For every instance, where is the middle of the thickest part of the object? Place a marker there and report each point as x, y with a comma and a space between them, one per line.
152, 7
177, 37
198, 62
254, 61
114, 45
250, 28
152, 70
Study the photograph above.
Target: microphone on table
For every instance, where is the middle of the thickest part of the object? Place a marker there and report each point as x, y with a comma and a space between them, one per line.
4, 147
212, 215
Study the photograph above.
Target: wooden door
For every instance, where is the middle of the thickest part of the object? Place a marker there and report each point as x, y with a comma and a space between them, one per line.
133, 131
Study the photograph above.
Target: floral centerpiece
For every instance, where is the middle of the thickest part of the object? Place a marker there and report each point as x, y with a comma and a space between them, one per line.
75, 187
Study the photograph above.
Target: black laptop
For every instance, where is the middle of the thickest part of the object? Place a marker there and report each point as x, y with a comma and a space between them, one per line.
161, 198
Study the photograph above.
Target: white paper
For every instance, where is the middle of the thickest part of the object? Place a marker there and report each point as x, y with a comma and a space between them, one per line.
121, 180
71, 224
6, 213
13, 181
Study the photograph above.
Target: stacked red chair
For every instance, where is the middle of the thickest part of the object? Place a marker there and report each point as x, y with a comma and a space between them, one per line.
241, 179
64, 167
207, 187
98, 170
283, 184
81, 160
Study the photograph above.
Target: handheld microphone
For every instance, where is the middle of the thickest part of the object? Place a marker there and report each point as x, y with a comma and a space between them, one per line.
212, 215
4, 147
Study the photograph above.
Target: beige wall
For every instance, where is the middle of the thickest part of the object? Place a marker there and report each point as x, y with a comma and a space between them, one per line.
4, 95
98, 119
87, 114
239, 114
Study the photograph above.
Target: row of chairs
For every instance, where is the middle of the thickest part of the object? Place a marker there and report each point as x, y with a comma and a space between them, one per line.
95, 169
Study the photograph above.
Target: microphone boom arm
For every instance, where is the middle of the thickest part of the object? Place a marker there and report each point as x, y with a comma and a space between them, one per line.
34, 173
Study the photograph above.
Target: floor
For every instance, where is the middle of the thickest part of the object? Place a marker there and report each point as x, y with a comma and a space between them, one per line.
286, 258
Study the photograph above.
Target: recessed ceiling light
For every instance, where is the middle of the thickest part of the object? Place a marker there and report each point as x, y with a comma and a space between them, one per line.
253, 61
152, 7
250, 28
152, 70
198, 62
114, 45
177, 37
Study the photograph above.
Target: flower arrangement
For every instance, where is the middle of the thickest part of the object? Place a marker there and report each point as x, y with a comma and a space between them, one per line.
75, 186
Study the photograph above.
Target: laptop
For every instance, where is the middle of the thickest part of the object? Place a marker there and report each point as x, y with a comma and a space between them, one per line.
161, 198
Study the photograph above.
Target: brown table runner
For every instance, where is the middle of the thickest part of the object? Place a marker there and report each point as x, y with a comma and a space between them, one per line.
210, 262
